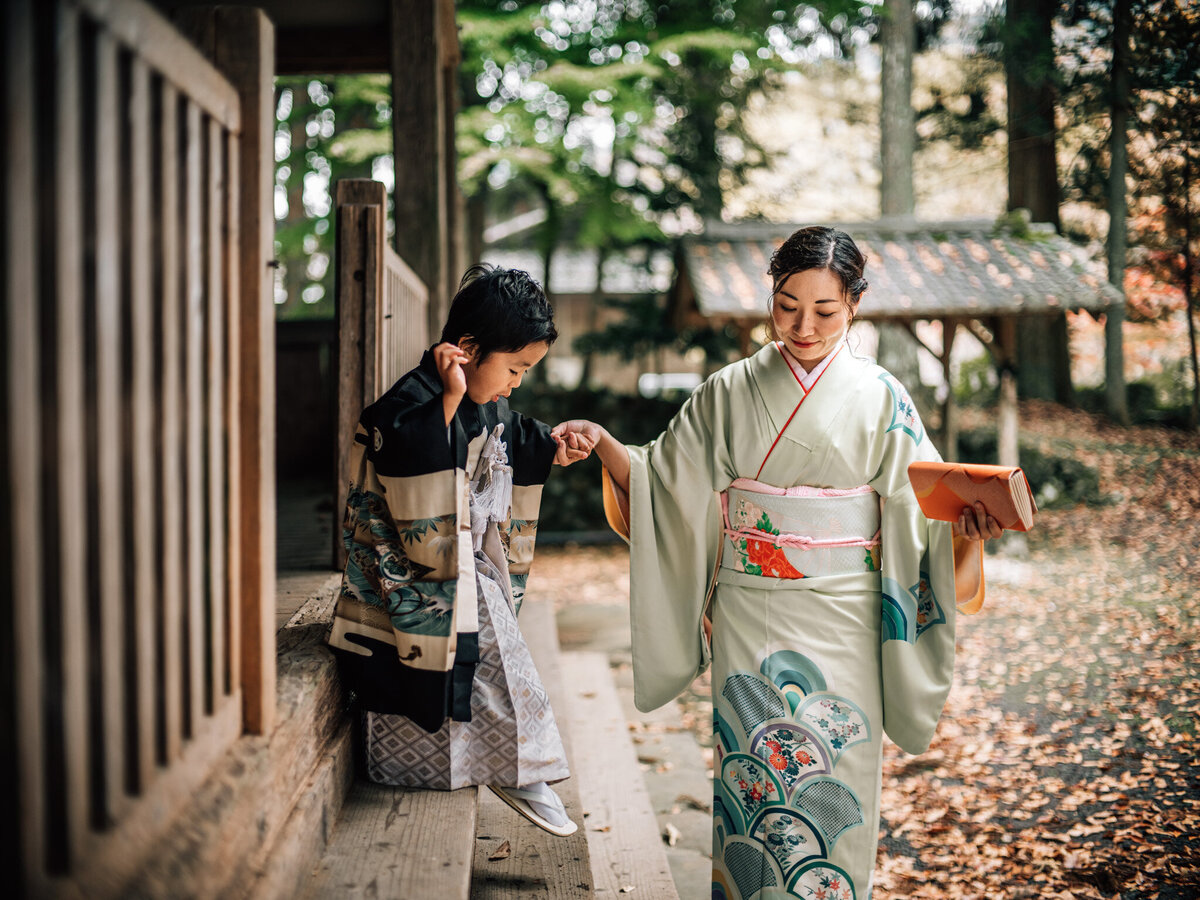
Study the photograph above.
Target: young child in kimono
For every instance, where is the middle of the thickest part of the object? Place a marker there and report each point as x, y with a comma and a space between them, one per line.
440, 525
778, 500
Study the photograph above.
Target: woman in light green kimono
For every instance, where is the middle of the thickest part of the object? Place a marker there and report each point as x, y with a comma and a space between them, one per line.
779, 493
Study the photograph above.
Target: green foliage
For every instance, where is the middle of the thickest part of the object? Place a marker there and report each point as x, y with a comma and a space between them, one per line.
1164, 124
1057, 481
1162, 399
636, 109
572, 500
977, 384
327, 128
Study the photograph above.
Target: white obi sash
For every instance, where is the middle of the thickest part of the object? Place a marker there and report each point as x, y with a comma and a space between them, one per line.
799, 532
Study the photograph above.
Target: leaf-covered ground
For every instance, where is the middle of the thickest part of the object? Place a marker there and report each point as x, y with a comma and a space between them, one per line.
1065, 764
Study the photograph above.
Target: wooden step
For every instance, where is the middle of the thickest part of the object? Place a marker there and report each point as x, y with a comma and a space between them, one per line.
539, 864
395, 842
626, 848
383, 841
399, 843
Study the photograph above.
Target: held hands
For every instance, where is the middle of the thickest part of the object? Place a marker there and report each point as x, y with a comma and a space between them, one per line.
576, 439
975, 524
572, 447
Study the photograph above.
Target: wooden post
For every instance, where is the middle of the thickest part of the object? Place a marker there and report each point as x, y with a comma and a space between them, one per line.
949, 407
146, 588
453, 247
22, 676
1006, 357
240, 41
359, 230
104, 181
65, 485
418, 112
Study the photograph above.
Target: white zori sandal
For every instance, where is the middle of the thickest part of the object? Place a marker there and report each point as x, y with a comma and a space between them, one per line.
540, 805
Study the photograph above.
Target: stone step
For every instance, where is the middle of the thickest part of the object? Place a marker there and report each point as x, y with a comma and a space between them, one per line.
679, 783
626, 846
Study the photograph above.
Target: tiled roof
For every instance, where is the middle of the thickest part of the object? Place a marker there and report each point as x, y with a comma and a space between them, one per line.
921, 270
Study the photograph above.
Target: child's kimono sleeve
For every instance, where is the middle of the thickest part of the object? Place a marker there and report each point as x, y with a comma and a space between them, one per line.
918, 580
674, 535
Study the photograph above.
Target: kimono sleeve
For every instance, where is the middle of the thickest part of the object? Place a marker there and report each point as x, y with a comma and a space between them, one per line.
531, 449
674, 538
918, 589
407, 434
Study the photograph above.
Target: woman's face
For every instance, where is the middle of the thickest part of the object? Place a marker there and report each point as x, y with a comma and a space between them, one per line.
501, 371
810, 314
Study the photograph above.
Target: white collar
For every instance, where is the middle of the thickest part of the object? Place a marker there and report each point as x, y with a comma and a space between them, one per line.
808, 379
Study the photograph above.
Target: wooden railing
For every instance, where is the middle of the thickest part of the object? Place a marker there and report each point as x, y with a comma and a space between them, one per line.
382, 318
123, 601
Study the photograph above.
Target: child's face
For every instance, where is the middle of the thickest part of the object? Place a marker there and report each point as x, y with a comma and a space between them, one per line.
500, 372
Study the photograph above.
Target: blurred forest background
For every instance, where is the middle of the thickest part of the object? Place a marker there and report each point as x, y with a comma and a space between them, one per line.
617, 126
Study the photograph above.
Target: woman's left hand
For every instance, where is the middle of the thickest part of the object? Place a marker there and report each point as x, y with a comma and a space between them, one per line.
975, 524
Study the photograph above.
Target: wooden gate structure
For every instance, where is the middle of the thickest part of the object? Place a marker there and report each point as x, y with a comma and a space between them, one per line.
136, 529
382, 318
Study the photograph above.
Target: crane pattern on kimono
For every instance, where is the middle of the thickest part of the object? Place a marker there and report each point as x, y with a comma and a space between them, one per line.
778, 810
904, 411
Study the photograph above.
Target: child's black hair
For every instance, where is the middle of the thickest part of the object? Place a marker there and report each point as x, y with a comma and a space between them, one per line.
501, 309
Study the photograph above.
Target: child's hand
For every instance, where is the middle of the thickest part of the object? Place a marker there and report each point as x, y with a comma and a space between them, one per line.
450, 359
572, 448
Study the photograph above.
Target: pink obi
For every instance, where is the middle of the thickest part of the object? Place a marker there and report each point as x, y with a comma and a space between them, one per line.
799, 532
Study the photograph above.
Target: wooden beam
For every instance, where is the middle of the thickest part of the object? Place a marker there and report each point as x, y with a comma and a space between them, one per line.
330, 50
1007, 436
983, 335
949, 409
418, 113
910, 326
143, 29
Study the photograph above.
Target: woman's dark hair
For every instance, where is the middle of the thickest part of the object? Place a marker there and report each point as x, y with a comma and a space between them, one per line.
820, 247
502, 310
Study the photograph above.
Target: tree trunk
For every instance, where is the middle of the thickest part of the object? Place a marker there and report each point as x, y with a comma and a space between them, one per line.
419, 108
476, 223
1030, 76
1115, 395
593, 319
1188, 282
1007, 429
1033, 177
897, 125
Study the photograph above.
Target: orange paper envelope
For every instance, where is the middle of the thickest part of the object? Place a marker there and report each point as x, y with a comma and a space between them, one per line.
943, 489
